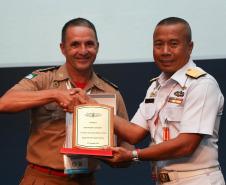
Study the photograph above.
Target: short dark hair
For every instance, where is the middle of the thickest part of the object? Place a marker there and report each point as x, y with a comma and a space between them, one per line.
177, 20
78, 22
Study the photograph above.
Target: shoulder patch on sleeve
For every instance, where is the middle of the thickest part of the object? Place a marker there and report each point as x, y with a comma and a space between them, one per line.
108, 82
30, 76
195, 72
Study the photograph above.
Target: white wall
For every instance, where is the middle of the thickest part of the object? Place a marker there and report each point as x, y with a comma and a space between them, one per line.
30, 29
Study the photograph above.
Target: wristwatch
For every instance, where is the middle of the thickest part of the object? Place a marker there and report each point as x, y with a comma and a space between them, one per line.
135, 155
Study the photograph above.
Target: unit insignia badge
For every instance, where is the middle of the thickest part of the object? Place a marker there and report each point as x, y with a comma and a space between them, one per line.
179, 93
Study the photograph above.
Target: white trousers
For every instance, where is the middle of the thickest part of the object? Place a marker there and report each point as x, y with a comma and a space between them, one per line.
213, 178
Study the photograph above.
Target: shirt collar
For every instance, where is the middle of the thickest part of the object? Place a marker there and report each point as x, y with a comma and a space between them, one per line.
180, 75
62, 73
95, 81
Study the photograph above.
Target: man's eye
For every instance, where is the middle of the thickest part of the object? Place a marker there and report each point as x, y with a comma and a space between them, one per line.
158, 44
75, 44
90, 44
174, 44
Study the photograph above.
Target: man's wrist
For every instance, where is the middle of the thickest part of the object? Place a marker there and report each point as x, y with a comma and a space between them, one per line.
135, 155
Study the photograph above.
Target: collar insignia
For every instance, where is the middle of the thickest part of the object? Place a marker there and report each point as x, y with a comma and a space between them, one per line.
55, 84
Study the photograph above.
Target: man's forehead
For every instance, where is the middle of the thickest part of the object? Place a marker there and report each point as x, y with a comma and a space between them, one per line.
80, 32
170, 27
79, 29
173, 30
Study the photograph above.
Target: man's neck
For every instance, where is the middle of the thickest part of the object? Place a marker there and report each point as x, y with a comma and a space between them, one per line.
78, 76
167, 76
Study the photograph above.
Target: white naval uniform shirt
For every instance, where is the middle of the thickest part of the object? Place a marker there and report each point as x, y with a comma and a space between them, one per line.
198, 110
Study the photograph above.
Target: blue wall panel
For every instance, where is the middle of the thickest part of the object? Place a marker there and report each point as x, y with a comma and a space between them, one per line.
133, 81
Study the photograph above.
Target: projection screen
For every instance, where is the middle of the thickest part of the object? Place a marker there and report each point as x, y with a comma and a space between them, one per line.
30, 30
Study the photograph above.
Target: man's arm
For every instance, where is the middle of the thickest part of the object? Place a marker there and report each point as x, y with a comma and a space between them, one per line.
128, 131
19, 100
181, 146
184, 144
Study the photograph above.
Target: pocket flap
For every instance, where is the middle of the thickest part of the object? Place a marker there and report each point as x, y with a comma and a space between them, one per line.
149, 110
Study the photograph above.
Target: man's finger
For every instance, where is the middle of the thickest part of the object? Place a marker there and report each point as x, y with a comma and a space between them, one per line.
81, 99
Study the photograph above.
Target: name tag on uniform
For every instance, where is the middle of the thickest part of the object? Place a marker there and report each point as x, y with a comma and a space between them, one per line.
149, 100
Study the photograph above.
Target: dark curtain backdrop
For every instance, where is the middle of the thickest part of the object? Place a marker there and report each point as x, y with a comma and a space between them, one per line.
133, 81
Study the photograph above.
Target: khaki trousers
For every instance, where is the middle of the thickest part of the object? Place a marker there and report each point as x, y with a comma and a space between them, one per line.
35, 177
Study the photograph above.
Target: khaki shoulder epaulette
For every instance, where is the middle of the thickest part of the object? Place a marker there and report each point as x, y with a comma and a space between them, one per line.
195, 72
48, 69
108, 82
37, 72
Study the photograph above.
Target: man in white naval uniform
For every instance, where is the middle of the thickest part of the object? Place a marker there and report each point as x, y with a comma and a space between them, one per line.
181, 111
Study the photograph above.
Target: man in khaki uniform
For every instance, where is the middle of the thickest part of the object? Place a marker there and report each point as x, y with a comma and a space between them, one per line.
46, 93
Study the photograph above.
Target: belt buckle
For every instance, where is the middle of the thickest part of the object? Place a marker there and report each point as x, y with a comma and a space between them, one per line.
164, 177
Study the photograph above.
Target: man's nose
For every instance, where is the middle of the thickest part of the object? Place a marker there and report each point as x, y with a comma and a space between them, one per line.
83, 50
166, 49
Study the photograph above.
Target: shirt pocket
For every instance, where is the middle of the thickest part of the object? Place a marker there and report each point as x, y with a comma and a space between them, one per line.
149, 110
171, 114
54, 111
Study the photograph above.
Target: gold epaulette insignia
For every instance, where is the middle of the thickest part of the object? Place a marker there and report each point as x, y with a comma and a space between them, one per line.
195, 72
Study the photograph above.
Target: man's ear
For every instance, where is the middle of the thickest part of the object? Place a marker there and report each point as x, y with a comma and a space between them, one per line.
98, 46
62, 48
191, 44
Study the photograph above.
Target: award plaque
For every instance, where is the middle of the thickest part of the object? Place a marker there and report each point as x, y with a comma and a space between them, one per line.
78, 141
92, 130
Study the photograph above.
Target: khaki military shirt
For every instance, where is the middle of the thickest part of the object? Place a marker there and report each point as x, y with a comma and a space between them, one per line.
47, 132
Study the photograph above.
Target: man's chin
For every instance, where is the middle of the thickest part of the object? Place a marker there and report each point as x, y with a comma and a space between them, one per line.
167, 70
84, 68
